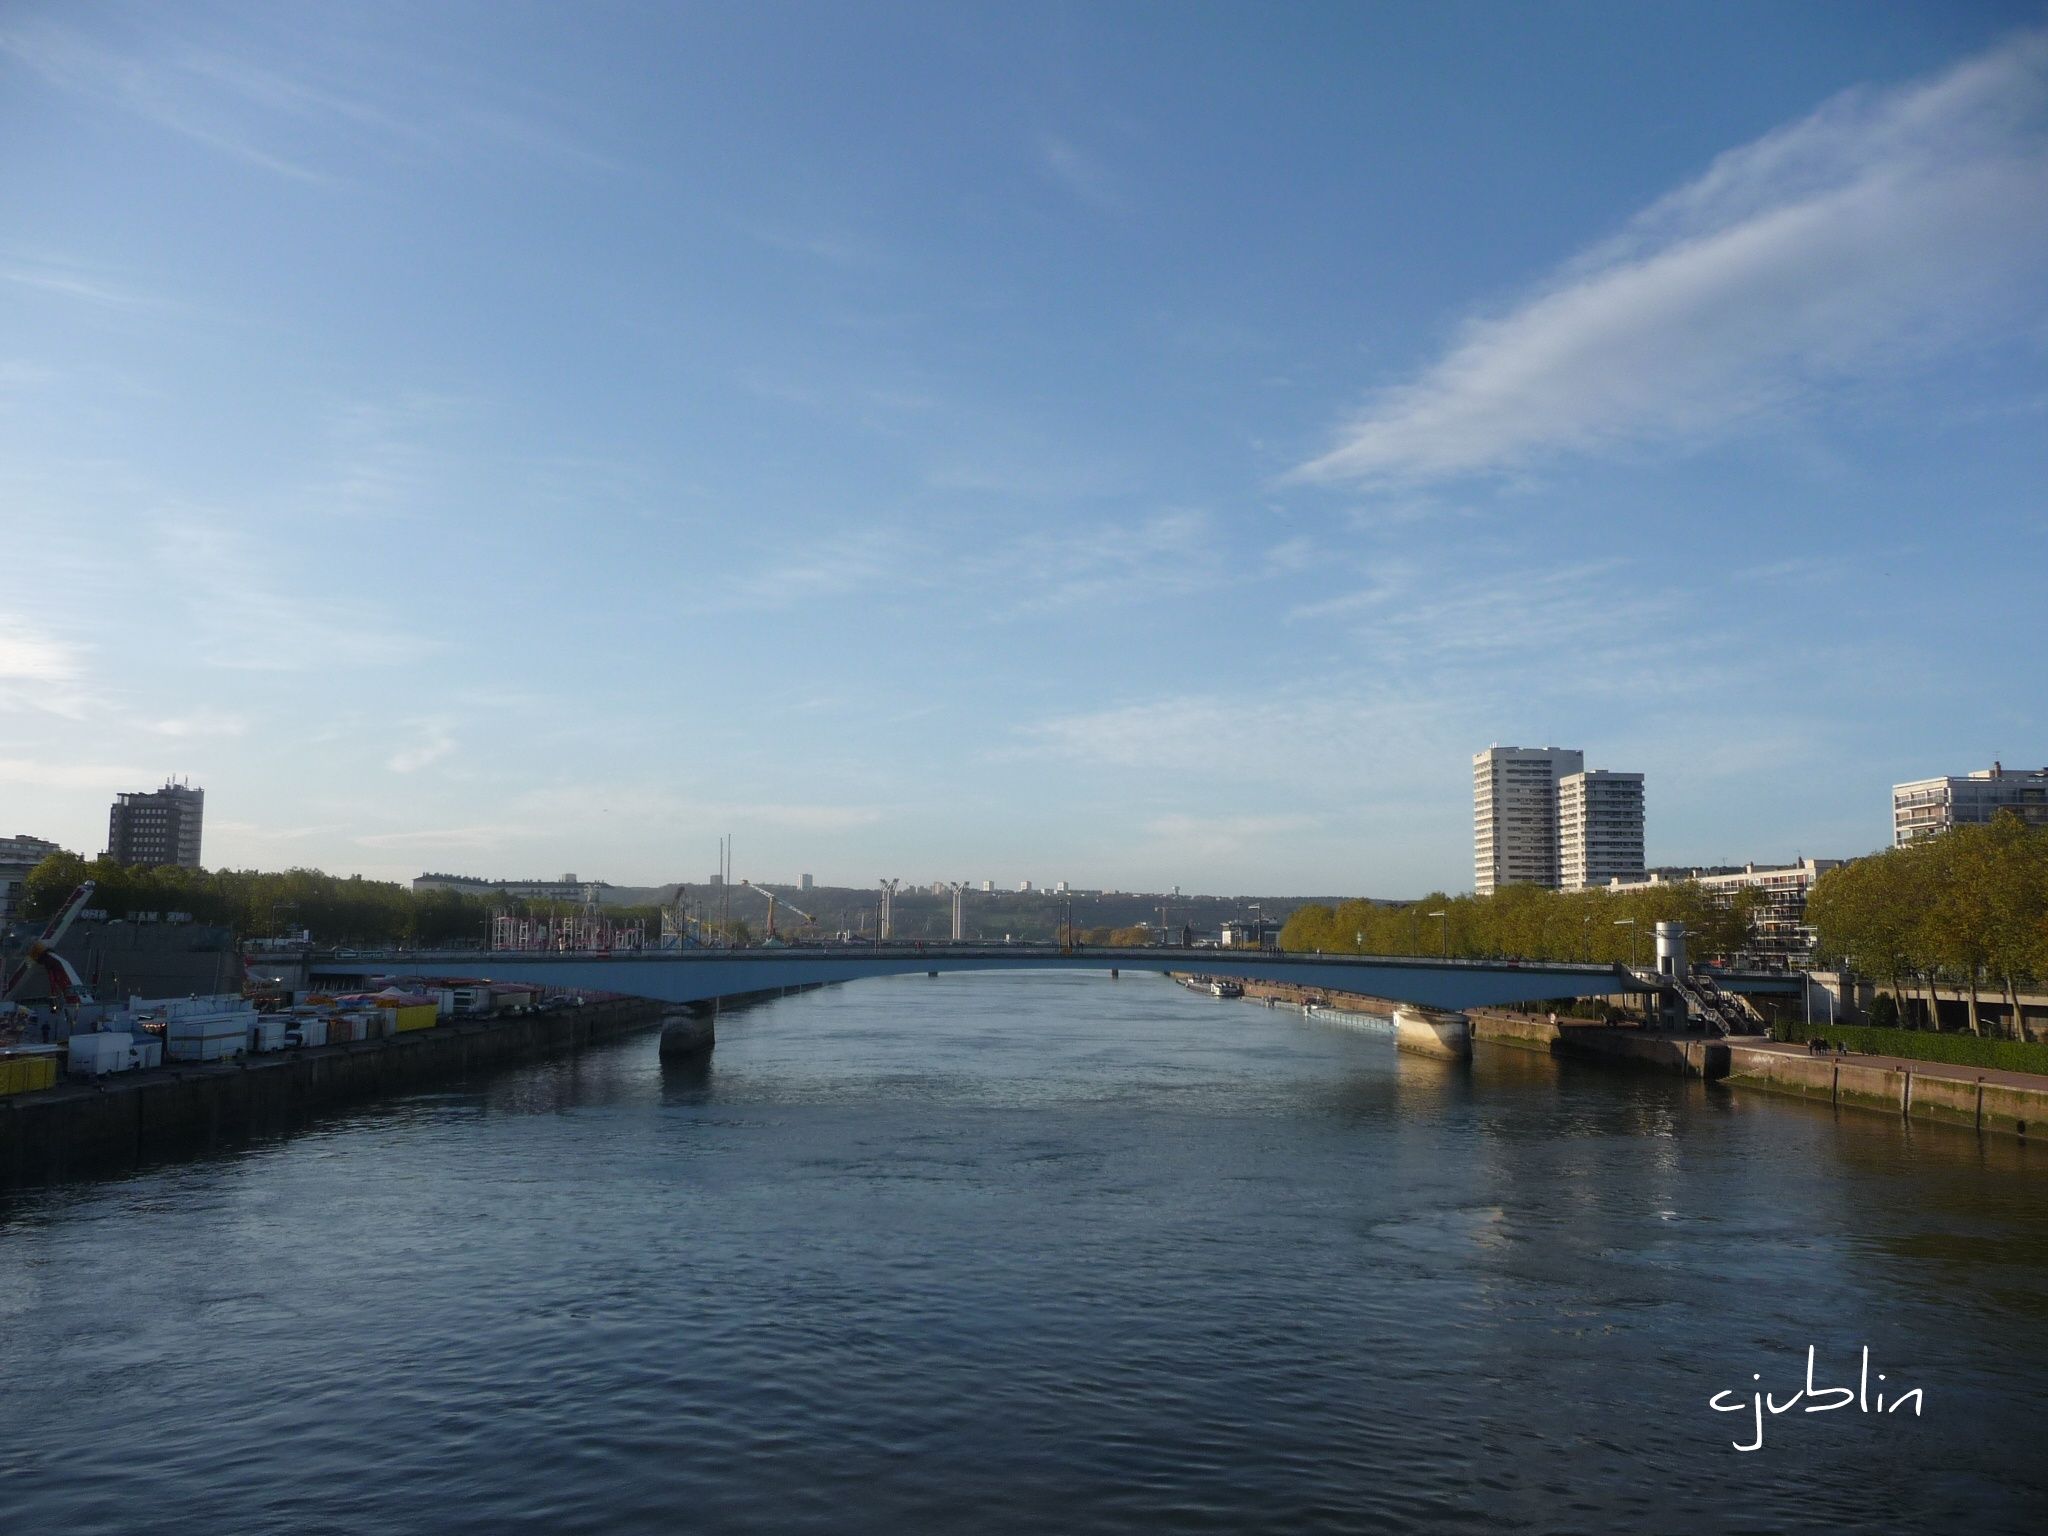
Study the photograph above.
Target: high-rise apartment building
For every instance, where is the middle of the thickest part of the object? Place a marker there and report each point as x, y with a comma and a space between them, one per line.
1599, 828
1514, 814
158, 826
1935, 805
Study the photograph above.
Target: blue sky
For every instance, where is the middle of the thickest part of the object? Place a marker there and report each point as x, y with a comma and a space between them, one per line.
1136, 445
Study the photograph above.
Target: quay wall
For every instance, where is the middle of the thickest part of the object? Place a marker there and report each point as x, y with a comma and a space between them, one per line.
1906, 1091
80, 1128
1688, 1055
1627, 1046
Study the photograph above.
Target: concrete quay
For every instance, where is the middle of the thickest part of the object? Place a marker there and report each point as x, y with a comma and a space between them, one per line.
1979, 1098
86, 1128
1687, 1054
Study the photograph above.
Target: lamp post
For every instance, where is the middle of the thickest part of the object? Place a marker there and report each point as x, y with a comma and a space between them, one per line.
1447, 931
1630, 924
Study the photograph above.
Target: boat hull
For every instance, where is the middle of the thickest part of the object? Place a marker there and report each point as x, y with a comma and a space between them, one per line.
1446, 1036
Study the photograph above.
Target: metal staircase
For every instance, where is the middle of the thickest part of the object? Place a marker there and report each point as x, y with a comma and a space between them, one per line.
1725, 1013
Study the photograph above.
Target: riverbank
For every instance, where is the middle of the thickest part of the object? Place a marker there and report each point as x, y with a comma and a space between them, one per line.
106, 1125
1984, 1099
1688, 1055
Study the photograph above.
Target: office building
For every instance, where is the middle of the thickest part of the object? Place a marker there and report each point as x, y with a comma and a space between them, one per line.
1935, 805
804, 882
158, 826
1514, 814
1599, 828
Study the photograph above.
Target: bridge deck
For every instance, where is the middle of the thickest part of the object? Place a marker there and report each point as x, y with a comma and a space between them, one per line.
698, 975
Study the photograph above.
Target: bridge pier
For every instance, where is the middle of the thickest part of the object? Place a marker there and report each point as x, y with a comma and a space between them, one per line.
1426, 1032
687, 1036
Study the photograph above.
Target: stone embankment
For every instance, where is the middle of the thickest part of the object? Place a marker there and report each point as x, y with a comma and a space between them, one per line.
1981, 1099
84, 1128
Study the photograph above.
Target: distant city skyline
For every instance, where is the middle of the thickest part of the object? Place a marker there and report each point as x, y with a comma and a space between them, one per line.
1138, 448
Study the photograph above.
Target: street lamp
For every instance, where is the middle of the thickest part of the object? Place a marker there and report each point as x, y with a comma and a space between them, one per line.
1447, 930
1630, 924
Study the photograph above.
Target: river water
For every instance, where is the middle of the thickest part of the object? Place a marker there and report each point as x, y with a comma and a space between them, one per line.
1035, 1253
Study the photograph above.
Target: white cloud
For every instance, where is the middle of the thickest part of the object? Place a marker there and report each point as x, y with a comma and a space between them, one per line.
1881, 230
435, 741
1077, 170
69, 775
246, 614
1215, 837
40, 673
67, 279
34, 658
203, 722
462, 839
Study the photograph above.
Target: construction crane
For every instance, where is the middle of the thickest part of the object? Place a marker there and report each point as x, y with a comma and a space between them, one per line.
676, 921
762, 890
66, 989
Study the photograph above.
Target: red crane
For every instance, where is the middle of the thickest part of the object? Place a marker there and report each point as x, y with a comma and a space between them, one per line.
65, 986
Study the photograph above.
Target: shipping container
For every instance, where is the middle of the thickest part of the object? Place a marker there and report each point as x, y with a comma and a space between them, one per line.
206, 1037
307, 1032
406, 1016
26, 1073
97, 1052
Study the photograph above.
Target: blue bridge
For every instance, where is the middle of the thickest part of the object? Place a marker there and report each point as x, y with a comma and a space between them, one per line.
701, 975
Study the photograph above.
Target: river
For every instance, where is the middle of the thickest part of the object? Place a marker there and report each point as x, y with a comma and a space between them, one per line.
1035, 1253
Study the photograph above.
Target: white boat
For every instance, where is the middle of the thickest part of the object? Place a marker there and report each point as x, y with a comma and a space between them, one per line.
1447, 1036
1222, 988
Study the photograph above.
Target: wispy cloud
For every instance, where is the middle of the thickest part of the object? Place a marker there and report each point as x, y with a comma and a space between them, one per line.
1216, 837
1885, 228
44, 273
168, 91
433, 742
223, 94
248, 616
39, 672
200, 723
832, 567
473, 839
1079, 172
1169, 554
70, 775
26, 656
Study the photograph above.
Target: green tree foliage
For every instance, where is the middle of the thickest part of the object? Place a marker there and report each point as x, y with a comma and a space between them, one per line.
1522, 922
1966, 909
337, 910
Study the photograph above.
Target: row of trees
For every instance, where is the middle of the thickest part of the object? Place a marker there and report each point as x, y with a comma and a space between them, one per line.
1968, 909
334, 909
1525, 922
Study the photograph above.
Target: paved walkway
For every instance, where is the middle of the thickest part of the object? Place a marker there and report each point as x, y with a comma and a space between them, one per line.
1948, 1069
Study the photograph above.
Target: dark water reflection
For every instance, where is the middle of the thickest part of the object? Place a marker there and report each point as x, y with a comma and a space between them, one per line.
1044, 1253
